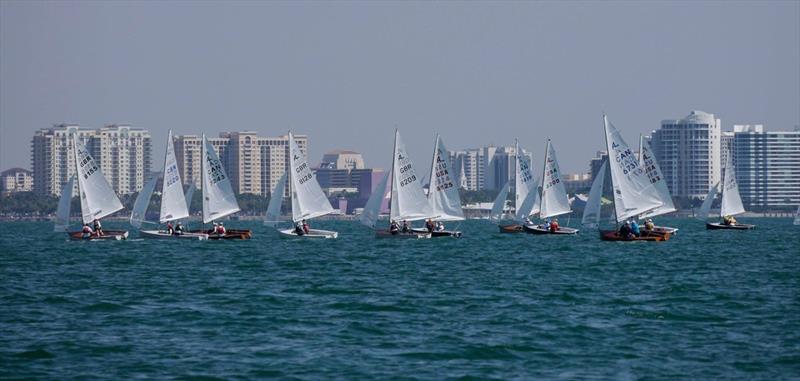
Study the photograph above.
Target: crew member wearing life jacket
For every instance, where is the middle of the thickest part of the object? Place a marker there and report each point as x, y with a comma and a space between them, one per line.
554, 226
306, 228
298, 229
393, 228
429, 225
221, 229
87, 231
179, 228
170, 229
405, 226
98, 229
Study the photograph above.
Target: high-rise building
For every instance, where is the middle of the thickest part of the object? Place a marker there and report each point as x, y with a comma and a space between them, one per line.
767, 167
123, 152
253, 163
725, 146
487, 167
16, 180
688, 151
342, 159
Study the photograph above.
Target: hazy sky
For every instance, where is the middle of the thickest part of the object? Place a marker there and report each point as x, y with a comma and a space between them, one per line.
347, 73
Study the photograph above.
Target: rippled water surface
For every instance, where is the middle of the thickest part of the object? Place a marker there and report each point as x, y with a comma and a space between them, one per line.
705, 305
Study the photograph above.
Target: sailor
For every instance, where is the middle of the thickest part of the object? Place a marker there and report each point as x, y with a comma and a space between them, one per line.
98, 229
625, 230
305, 226
429, 225
635, 228
179, 228
554, 225
298, 229
170, 230
440, 226
393, 228
221, 229
87, 231
728, 220
405, 226
546, 224
215, 229
649, 225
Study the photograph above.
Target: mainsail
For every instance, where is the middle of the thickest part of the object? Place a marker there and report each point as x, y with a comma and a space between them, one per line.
731, 201
64, 206
408, 198
633, 192
143, 201
373, 207
308, 200
591, 212
173, 201
218, 198
526, 192
702, 214
499, 205
555, 200
443, 192
275, 201
97, 198
648, 159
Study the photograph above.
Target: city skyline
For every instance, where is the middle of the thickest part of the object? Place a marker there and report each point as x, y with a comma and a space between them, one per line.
347, 74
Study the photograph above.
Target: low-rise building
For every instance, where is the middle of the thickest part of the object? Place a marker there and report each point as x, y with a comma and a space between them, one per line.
16, 180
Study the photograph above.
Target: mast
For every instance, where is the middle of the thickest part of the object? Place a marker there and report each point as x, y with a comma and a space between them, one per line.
203, 176
544, 168
394, 175
433, 165
608, 154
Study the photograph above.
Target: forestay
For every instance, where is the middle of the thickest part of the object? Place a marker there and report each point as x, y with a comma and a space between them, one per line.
443, 193
218, 198
64, 206
373, 207
408, 199
633, 192
143, 201
731, 201
499, 205
702, 214
308, 200
275, 201
655, 176
97, 197
526, 193
554, 197
173, 201
591, 212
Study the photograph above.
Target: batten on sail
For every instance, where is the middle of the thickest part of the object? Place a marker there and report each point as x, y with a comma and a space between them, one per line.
218, 198
443, 194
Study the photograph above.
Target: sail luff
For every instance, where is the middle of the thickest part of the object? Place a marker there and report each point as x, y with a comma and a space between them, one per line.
64, 206
173, 201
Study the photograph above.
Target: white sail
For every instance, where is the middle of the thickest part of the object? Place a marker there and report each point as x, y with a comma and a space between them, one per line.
97, 197
218, 198
64, 206
702, 214
526, 192
189, 194
373, 207
308, 200
173, 201
408, 199
731, 201
143, 201
591, 212
443, 192
499, 205
655, 176
633, 192
555, 200
797, 216
275, 201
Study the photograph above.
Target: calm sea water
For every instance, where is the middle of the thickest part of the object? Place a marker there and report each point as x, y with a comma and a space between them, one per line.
705, 305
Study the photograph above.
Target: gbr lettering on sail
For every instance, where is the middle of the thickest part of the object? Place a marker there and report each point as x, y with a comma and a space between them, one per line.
407, 175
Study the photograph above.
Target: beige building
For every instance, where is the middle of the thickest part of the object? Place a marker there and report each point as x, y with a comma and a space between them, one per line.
253, 163
16, 180
123, 152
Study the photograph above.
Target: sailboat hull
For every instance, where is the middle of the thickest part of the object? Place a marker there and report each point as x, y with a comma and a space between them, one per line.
158, 234
515, 228
439, 233
665, 229
409, 235
312, 234
115, 235
538, 229
229, 234
611, 235
718, 226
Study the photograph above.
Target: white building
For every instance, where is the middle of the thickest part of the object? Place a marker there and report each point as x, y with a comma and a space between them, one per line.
487, 167
123, 152
16, 180
767, 167
688, 151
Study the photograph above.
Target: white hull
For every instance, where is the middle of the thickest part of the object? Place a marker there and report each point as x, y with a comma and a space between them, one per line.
438, 233
409, 235
665, 229
160, 234
539, 229
312, 233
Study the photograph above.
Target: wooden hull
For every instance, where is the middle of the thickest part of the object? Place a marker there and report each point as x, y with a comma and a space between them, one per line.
114, 235
718, 226
611, 235
510, 228
439, 233
665, 229
538, 229
409, 235
312, 234
229, 234
158, 234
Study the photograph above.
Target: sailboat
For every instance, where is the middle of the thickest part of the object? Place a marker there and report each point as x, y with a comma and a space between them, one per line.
648, 159
442, 192
407, 200
98, 200
526, 196
308, 200
218, 198
173, 201
634, 194
731, 204
554, 200
591, 212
